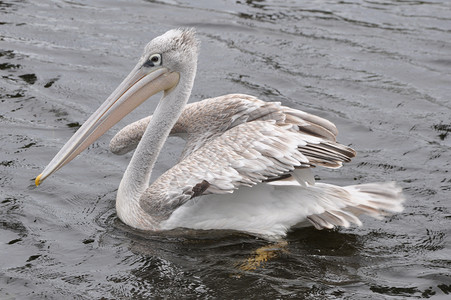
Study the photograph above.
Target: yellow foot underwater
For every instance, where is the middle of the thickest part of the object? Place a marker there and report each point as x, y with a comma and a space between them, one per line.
263, 254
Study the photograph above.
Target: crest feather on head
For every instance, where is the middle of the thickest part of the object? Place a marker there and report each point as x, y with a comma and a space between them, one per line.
180, 39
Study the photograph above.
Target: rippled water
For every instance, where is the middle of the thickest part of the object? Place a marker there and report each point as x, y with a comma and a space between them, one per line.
381, 70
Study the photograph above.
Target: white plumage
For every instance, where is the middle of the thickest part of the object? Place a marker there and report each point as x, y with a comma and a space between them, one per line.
271, 210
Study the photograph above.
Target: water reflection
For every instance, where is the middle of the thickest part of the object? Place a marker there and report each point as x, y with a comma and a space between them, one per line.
193, 263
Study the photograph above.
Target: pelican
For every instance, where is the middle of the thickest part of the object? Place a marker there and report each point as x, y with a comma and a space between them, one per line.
246, 165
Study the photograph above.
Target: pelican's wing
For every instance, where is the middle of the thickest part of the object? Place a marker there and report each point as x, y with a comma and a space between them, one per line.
246, 154
127, 139
205, 120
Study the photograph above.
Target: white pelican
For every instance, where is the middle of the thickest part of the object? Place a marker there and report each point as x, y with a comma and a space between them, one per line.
246, 165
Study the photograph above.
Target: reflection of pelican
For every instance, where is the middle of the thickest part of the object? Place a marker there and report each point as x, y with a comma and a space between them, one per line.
246, 164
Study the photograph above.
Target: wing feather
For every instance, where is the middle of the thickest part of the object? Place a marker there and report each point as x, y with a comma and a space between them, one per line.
246, 154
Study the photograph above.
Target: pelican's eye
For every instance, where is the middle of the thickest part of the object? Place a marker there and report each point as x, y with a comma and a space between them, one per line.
153, 61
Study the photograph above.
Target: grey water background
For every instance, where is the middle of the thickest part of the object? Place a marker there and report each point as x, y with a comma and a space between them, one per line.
380, 70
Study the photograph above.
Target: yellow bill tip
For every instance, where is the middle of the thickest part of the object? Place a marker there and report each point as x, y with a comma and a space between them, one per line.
38, 180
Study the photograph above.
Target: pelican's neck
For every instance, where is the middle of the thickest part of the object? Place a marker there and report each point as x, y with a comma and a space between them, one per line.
137, 175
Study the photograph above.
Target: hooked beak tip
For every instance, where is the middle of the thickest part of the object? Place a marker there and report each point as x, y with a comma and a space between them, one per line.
38, 180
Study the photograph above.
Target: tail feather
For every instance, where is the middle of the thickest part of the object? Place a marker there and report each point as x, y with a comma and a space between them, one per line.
373, 199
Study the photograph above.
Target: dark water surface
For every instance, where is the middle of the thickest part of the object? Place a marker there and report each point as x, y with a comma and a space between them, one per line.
381, 70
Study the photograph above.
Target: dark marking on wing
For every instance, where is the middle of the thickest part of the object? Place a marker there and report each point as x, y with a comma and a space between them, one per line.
284, 176
200, 188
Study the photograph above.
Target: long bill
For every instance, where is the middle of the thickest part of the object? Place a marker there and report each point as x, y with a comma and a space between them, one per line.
137, 87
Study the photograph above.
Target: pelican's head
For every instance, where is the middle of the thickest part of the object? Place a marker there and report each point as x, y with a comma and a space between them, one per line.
177, 50
166, 60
